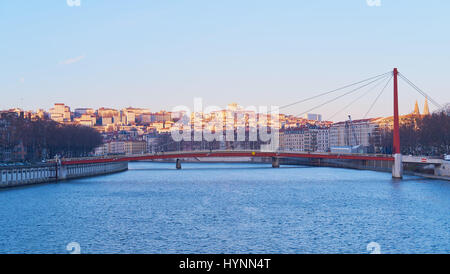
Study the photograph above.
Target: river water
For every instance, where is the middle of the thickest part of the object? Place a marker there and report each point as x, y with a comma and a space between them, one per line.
228, 208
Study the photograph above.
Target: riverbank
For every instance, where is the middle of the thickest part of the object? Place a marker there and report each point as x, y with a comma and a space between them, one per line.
13, 176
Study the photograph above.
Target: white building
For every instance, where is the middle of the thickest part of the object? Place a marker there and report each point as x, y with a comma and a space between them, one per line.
152, 142
313, 116
116, 147
101, 150
291, 140
60, 113
135, 147
110, 148
87, 120
344, 133
308, 139
323, 137
80, 111
131, 117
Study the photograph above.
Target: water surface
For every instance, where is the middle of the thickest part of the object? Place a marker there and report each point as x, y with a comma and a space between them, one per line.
228, 208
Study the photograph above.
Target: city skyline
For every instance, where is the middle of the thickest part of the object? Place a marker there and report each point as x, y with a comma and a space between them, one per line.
418, 109
169, 53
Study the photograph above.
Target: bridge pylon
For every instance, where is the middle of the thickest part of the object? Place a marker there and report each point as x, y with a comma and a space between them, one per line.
397, 167
275, 162
178, 164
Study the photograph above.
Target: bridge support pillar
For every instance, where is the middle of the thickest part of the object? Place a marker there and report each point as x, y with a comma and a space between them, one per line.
178, 164
442, 169
397, 166
275, 162
61, 173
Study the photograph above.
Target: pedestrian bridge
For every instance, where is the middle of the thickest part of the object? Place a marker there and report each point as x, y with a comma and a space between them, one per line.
442, 168
250, 153
227, 153
91, 166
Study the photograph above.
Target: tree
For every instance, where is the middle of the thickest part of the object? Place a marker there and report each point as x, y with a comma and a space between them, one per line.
429, 135
45, 138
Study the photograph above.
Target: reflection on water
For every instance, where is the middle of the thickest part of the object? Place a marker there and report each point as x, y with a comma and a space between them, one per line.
228, 208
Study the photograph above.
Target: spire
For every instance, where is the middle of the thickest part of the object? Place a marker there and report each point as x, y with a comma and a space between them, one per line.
426, 110
416, 109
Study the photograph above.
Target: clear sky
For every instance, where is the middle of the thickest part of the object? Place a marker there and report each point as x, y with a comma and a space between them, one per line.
162, 53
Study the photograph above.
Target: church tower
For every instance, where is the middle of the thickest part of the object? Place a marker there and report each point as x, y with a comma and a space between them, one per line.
416, 109
426, 110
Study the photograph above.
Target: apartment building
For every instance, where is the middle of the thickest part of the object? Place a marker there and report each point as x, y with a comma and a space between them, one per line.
357, 132
60, 113
308, 139
88, 120
135, 147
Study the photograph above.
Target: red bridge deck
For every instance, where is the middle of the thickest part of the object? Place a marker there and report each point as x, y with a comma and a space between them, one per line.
203, 154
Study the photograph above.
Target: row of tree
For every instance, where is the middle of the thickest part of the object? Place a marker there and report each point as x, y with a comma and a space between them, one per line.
429, 135
28, 140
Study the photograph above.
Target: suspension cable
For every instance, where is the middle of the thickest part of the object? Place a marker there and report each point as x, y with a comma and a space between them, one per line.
420, 91
338, 97
334, 90
359, 97
376, 99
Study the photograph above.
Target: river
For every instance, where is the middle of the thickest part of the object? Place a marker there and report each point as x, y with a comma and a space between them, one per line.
228, 208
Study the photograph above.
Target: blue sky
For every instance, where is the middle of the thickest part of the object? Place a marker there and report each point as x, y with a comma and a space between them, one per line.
159, 54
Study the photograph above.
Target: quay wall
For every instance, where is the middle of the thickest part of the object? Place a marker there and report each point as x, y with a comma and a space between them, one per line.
26, 175
435, 171
13, 176
376, 165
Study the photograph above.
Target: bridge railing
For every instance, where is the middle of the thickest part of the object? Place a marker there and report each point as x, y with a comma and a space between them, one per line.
226, 153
